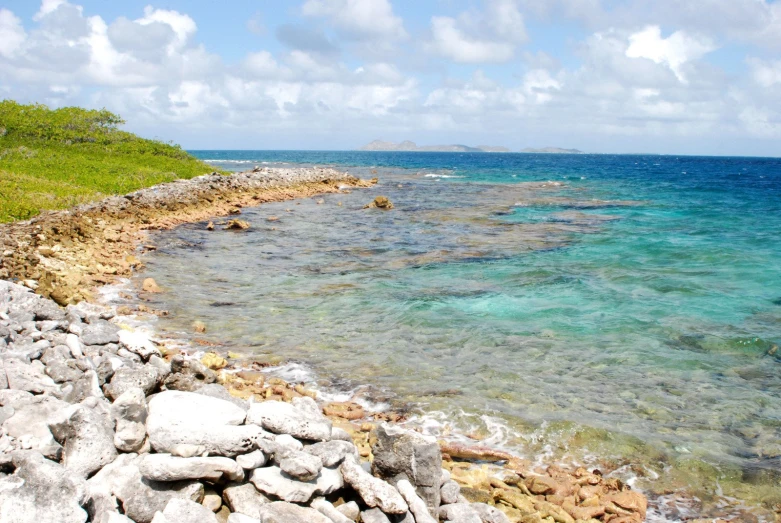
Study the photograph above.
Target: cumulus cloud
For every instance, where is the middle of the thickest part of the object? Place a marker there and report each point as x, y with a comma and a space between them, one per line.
12, 31
479, 37
624, 83
674, 51
361, 19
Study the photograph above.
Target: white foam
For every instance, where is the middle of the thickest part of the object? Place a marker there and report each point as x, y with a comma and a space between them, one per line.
442, 176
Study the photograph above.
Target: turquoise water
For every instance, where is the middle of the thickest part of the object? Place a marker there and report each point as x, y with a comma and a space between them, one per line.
624, 315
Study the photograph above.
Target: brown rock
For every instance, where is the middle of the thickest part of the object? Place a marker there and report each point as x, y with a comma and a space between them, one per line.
210, 226
542, 485
346, 410
272, 219
199, 326
380, 202
630, 500
213, 360
236, 225
150, 285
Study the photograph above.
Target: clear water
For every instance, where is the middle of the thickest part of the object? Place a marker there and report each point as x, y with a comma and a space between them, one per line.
625, 316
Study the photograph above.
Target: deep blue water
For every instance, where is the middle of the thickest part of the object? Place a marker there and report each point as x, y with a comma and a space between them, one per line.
629, 310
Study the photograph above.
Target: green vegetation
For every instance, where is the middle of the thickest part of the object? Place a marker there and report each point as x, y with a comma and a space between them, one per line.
58, 158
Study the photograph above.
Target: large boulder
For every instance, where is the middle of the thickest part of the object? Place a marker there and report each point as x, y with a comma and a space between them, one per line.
273, 482
188, 424
87, 435
173, 406
374, 491
164, 467
141, 498
400, 453
41, 491
297, 420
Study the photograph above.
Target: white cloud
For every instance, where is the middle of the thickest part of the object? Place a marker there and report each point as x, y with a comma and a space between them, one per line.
183, 26
47, 7
475, 37
12, 31
766, 73
362, 19
673, 51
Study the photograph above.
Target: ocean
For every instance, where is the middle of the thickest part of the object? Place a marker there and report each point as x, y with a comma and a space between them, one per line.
617, 311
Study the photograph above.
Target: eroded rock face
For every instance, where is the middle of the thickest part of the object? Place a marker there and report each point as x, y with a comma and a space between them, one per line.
41, 491
374, 491
295, 420
299, 465
144, 377
402, 453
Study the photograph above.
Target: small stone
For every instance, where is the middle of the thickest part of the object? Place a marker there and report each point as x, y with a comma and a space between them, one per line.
212, 501
324, 507
416, 505
374, 515
459, 513
450, 492
351, 510
300, 465
210, 226
199, 326
150, 285
251, 461
236, 225
489, 514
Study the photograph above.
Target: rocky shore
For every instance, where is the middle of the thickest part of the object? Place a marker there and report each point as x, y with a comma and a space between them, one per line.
66, 254
102, 423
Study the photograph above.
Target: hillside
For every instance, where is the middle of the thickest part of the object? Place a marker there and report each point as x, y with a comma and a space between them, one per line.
379, 145
58, 158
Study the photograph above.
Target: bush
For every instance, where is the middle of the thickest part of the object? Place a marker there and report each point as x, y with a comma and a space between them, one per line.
57, 158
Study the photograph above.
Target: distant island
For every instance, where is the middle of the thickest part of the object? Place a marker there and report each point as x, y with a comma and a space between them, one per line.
379, 145
551, 150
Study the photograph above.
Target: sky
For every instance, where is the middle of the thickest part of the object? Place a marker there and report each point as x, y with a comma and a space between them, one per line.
603, 76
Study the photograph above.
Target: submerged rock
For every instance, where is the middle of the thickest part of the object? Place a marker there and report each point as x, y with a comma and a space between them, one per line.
380, 202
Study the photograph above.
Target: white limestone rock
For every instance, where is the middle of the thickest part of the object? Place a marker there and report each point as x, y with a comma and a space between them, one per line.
164, 467
129, 414
87, 436
284, 418
324, 507
459, 513
416, 505
244, 499
374, 491
41, 491
282, 512
272, 481
333, 452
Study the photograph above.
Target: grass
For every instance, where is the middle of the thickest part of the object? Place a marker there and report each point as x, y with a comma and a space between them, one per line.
57, 158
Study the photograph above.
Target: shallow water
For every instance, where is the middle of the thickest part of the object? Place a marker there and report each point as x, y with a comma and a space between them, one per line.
628, 311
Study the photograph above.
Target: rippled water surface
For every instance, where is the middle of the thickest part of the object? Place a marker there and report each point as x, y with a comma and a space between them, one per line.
629, 310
